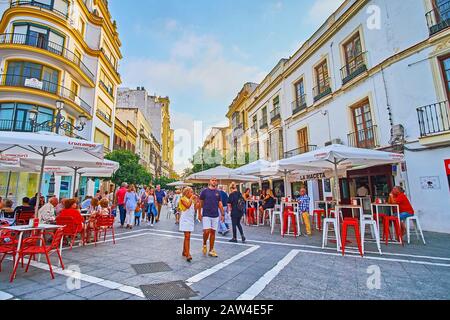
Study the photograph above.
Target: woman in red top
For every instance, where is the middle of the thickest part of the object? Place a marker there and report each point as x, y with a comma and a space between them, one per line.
399, 197
71, 210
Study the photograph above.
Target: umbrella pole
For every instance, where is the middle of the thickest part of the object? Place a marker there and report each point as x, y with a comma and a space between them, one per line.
41, 178
74, 182
8, 184
336, 182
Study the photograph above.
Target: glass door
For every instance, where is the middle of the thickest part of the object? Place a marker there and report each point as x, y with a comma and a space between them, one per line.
50, 79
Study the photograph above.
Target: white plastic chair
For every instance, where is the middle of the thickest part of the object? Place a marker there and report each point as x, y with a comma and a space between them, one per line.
276, 213
368, 221
418, 228
327, 222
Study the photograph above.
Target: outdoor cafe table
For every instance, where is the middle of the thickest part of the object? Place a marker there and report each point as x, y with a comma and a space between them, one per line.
353, 208
327, 203
22, 229
376, 210
295, 205
250, 203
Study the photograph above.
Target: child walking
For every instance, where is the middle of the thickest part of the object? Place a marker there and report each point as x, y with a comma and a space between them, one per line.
137, 216
187, 206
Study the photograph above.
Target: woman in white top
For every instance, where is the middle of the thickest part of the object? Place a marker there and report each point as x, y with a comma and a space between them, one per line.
151, 206
187, 220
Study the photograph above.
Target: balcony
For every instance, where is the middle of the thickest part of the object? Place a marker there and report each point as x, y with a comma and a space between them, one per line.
111, 64
44, 44
275, 114
109, 90
41, 6
263, 124
438, 19
105, 117
299, 104
434, 123
299, 151
254, 129
19, 126
364, 139
322, 90
12, 80
354, 68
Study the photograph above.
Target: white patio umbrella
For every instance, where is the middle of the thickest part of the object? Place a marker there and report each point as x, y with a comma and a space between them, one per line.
223, 174
179, 184
338, 157
44, 146
89, 167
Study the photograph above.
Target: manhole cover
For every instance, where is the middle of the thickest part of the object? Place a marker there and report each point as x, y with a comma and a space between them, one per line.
176, 290
147, 268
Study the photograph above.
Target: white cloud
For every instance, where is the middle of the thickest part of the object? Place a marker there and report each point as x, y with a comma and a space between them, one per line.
197, 65
322, 9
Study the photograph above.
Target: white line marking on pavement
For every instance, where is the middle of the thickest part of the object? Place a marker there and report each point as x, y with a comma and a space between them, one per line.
262, 283
356, 255
5, 296
334, 249
220, 266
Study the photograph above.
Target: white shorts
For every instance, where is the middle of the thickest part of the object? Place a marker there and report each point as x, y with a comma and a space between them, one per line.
210, 223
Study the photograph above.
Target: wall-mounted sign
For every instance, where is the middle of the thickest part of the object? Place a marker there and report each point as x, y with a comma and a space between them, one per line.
34, 83
430, 183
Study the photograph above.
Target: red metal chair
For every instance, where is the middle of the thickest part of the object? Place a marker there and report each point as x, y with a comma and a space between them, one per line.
36, 245
351, 223
71, 229
23, 218
289, 213
103, 224
317, 216
251, 216
8, 246
387, 221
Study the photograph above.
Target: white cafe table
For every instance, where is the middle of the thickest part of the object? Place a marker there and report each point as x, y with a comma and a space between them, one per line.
294, 204
255, 204
353, 208
376, 211
327, 203
22, 229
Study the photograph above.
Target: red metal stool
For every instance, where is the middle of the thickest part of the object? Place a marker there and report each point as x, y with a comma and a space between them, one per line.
318, 214
289, 213
387, 220
251, 213
354, 223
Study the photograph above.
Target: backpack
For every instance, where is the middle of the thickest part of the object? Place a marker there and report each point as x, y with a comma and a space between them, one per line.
241, 204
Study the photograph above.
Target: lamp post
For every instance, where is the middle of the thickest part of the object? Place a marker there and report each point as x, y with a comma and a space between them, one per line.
59, 122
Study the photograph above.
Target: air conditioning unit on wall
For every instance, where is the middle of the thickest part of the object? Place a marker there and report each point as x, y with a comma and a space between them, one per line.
335, 141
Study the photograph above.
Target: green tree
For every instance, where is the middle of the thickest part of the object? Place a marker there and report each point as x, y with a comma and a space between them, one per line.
163, 182
130, 170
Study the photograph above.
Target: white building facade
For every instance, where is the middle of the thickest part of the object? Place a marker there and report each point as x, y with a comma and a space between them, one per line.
375, 75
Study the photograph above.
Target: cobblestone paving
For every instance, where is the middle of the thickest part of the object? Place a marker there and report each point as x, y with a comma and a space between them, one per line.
267, 267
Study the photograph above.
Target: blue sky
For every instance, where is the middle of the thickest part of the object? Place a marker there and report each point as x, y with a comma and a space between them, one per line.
201, 52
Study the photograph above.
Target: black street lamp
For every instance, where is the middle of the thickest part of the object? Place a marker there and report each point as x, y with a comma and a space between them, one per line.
59, 122
56, 124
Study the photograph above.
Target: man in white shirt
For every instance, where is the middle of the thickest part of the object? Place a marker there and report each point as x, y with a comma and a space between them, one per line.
47, 213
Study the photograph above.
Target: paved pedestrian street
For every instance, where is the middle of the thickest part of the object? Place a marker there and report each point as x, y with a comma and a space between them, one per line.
268, 267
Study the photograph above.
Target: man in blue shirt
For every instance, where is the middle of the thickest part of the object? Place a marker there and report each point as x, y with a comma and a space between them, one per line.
304, 202
211, 203
160, 195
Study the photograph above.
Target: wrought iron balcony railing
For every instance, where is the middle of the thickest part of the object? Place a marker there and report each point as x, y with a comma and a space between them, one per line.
299, 104
354, 68
275, 114
263, 124
12, 80
322, 90
434, 119
107, 89
364, 139
298, 151
438, 19
45, 44
40, 5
